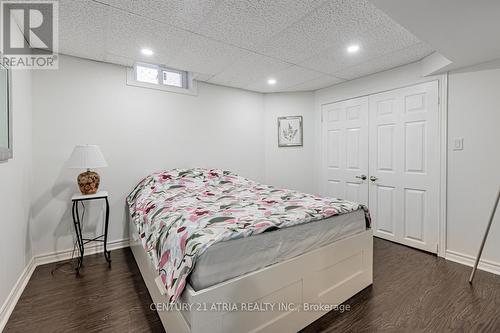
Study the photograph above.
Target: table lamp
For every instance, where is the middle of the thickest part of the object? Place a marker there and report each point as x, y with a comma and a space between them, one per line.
87, 157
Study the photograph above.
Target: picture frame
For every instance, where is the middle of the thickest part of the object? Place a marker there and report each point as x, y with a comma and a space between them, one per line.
5, 114
290, 131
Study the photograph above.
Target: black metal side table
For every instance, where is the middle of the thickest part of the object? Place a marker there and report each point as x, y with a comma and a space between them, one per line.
77, 221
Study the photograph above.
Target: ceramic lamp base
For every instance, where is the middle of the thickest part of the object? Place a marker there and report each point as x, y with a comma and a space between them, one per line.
88, 182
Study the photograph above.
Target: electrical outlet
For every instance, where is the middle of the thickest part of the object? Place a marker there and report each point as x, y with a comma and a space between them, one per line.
458, 144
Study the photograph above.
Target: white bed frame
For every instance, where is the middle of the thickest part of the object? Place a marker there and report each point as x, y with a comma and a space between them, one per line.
329, 275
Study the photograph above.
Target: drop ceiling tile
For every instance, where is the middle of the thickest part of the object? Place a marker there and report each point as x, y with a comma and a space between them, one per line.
274, 35
240, 85
315, 84
383, 39
332, 25
129, 33
82, 28
401, 57
288, 77
248, 70
251, 22
186, 14
204, 55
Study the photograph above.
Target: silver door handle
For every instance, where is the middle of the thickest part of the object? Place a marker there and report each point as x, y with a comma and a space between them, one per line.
362, 177
373, 178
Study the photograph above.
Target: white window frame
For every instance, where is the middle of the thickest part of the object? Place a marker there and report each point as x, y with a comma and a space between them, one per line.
189, 84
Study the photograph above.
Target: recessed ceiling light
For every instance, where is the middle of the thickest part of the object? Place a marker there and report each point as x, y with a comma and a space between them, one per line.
271, 81
353, 48
147, 52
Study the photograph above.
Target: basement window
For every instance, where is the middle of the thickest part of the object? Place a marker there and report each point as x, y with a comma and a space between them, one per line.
162, 78
146, 74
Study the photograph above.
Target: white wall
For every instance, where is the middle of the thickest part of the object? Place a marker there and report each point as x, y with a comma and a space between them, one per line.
474, 173
139, 131
290, 167
16, 189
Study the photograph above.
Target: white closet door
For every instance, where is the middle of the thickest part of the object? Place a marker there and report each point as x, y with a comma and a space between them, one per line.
345, 149
404, 165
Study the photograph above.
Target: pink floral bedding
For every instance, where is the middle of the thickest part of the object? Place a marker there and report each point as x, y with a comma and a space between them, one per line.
179, 213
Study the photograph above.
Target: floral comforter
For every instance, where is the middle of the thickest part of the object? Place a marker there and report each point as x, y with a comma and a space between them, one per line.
181, 212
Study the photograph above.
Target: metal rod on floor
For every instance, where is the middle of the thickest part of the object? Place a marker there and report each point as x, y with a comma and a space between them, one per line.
484, 238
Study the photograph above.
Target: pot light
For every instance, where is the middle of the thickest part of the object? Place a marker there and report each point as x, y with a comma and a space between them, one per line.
147, 52
271, 82
353, 48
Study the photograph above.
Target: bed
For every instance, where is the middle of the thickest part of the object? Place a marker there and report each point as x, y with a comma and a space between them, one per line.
221, 253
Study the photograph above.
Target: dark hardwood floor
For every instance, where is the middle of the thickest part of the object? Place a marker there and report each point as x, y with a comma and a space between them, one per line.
99, 300
412, 292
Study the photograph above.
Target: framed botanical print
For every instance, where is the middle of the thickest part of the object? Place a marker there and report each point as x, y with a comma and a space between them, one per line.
5, 114
290, 131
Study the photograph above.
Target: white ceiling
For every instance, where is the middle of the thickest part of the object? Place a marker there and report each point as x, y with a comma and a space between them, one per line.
242, 43
465, 32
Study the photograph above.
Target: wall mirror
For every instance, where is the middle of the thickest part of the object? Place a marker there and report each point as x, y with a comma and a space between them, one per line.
5, 115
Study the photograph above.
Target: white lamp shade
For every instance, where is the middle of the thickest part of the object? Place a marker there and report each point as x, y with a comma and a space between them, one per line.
86, 157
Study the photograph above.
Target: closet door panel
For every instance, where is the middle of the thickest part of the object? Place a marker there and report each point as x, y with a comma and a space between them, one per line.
345, 149
404, 161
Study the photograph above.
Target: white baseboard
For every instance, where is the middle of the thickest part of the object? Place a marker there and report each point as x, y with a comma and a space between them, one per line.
48, 258
17, 290
465, 259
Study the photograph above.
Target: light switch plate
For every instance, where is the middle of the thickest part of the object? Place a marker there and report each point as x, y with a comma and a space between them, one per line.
458, 144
